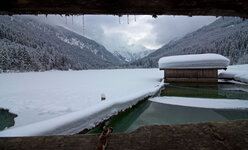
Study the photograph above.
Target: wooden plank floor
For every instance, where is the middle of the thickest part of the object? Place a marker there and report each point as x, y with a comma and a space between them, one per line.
218, 135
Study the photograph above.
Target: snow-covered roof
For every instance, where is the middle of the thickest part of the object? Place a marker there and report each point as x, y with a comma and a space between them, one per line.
193, 61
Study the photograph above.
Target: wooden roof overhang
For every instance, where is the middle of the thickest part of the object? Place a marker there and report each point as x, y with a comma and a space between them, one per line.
124, 7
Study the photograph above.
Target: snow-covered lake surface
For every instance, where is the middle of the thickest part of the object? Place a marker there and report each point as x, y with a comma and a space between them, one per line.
66, 102
236, 72
202, 102
50, 102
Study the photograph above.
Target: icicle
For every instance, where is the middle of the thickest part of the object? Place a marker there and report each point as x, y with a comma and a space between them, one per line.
119, 19
135, 18
127, 19
65, 19
83, 24
46, 17
72, 19
11, 18
154, 16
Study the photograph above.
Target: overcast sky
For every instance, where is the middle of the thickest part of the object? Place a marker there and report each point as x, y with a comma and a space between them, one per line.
144, 30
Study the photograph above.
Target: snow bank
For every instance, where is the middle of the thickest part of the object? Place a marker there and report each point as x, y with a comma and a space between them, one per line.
202, 102
235, 72
194, 61
66, 102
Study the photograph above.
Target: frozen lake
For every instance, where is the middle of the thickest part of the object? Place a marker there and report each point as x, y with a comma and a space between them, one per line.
66, 102
50, 102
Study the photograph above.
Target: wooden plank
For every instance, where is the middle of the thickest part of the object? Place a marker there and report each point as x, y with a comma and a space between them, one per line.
191, 73
215, 135
123, 7
191, 80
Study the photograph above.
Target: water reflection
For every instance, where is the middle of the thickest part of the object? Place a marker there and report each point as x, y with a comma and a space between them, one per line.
222, 90
122, 122
151, 113
233, 91
171, 114
192, 90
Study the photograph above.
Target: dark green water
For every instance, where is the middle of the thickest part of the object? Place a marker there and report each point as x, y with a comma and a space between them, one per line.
6, 119
221, 90
151, 113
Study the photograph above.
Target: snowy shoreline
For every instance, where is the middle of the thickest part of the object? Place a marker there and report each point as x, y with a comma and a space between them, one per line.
75, 122
135, 86
235, 72
66, 102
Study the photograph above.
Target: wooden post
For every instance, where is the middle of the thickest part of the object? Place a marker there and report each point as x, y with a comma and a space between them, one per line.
103, 97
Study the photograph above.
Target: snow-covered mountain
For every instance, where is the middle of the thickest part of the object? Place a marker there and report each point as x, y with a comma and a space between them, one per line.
128, 56
124, 51
226, 36
28, 44
131, 53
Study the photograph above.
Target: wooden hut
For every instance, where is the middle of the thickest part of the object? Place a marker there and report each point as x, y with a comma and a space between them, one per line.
192, 68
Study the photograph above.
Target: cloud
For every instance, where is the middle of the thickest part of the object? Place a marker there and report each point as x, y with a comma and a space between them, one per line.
117, 32
168, 27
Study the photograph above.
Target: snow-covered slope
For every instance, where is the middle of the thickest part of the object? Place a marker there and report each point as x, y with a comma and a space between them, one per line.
226, 36
129, 53
66, 102
28, 44
129, 56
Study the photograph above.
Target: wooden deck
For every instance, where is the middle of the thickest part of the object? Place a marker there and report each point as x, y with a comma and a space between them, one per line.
218, 135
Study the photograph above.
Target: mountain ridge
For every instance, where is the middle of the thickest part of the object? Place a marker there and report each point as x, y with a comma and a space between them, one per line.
31, 45
226, 36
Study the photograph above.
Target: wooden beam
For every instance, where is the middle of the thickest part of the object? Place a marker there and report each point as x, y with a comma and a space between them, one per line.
122, 7
191, 80
215, 135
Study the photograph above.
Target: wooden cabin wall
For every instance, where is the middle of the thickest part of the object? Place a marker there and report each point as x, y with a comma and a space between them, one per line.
191, 75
